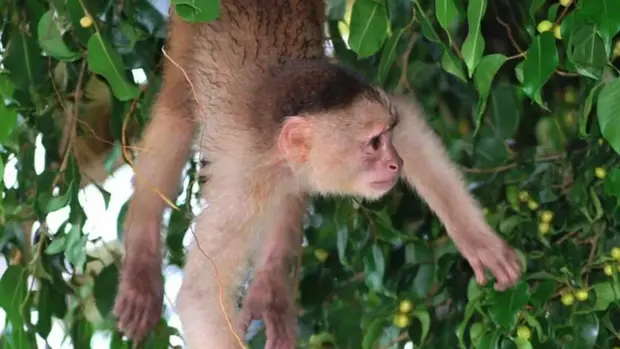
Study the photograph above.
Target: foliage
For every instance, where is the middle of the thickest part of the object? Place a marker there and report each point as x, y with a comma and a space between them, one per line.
525, 94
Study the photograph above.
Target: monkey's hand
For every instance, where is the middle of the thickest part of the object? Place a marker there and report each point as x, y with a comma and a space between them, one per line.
269, 297
140, 295
484, 249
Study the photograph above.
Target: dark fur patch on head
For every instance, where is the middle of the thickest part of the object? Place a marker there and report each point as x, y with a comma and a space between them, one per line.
313, 86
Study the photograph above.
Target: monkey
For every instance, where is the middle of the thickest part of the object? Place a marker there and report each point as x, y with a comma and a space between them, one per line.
269, 296
279, 123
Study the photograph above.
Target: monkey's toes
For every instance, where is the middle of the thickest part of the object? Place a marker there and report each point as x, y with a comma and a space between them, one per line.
137, 313
281, 330
281, 326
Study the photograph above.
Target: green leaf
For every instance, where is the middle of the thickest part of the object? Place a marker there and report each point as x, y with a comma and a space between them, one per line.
446, 13
476, 331
341, 244
195, 11
8, 121
385, 228
539, 65
104, 60
608, 113
428, 31
543, 292
473, 46
388, 55
587, 109
460, 329
23, 60
586, 51
372, 332
452, 64
506, 110
519, 71
523, 343
425, 319
51, 41
585, 331
612, 184
534, 323
374, 268
57, 245
368, 27
6, 87
608, 20
104, 291
423, 282
552, 12
13, 292
76, 247
489, 340
606, 293
483, 78
506, 305
474, 290
54, 203
51, 302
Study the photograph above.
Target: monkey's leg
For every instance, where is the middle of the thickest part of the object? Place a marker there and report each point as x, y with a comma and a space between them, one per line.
164, 147
428, 168
270, 296
215, 268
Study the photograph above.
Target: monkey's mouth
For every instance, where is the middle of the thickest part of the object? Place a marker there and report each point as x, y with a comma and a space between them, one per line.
384, 184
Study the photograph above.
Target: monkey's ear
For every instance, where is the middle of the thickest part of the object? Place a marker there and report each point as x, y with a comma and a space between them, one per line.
294, 138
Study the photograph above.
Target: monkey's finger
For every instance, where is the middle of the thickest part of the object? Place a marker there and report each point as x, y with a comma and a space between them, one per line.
122, 314
508, 267
131, 314
496, 266
501, 269
517, 269
119, 307
514, 270
248, 315
147, 321
478, 268
141, 318
279, 327
247, 319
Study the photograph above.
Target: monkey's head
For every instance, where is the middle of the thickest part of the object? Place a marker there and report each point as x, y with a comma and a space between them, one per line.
344, 151
335, 129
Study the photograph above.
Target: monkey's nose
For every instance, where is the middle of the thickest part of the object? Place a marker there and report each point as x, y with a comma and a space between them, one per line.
393, 166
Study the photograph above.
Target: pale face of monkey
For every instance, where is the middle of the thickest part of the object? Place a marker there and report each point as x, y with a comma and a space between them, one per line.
380, 166
348, 152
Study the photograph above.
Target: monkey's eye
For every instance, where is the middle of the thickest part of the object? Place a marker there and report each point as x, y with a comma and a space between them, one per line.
375, 142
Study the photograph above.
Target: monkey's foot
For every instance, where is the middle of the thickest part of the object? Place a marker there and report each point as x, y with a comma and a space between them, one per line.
140, 295
488, 250
270, 298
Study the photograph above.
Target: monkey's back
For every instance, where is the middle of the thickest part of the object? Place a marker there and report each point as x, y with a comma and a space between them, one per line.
232, 54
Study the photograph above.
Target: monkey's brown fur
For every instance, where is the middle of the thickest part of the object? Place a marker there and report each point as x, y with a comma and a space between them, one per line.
276, 123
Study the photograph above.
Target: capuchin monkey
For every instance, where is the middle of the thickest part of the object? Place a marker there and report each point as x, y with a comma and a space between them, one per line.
278, 122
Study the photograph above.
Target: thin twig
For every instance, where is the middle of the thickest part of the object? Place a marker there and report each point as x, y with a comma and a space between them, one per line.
73, 116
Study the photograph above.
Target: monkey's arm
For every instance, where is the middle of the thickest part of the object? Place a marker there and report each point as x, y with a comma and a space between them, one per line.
269, 296
428, 168
165, 145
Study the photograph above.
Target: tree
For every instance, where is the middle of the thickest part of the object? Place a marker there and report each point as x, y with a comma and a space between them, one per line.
525, 95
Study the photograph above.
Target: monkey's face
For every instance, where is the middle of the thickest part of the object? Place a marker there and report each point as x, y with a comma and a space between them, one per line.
351, 152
